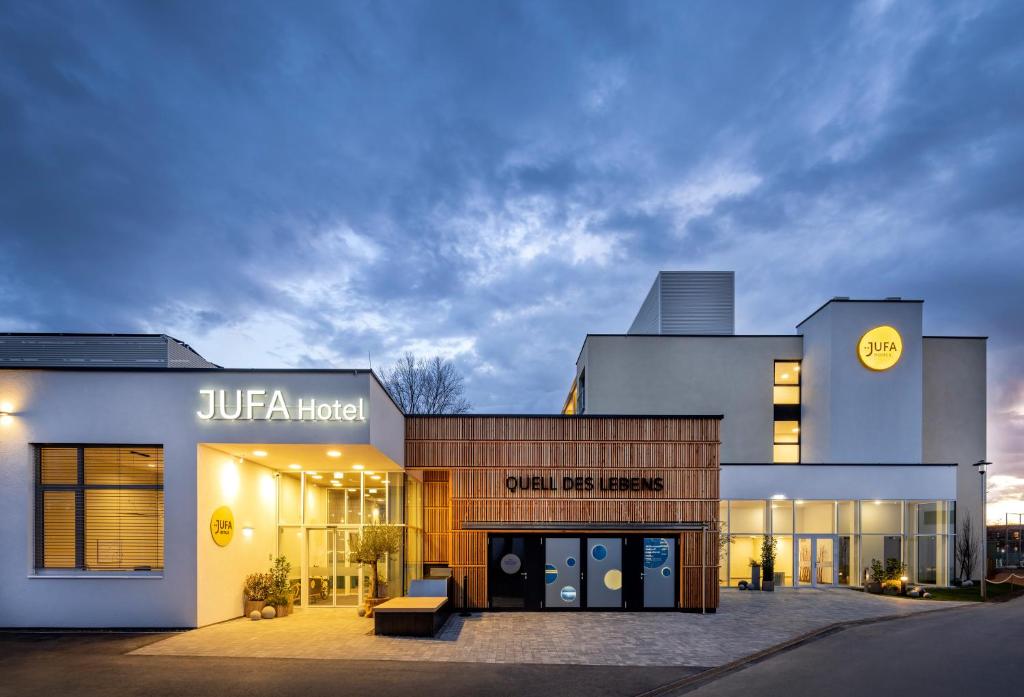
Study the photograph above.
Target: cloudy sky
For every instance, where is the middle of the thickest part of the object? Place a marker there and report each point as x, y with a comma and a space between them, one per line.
324, 185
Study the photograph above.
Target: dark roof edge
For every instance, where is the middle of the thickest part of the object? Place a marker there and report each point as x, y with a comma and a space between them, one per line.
856, 300
154, 369
707, 336
838, 464
933, 336
717, 417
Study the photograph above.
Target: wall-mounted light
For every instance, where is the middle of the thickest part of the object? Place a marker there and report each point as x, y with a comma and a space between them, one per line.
6, 412
247, 532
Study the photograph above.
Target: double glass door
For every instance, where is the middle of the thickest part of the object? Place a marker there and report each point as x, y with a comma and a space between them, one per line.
816, 564
333, 577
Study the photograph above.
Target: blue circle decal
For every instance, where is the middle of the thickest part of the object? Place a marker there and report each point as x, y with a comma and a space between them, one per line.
599, 552
568, 594
666, 571
655, 552
550, 573
570, 562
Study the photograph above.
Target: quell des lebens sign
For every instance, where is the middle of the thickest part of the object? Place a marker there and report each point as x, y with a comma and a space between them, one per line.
552, 483
262, 404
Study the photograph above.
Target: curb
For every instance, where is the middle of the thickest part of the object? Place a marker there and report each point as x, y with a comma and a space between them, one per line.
692, 682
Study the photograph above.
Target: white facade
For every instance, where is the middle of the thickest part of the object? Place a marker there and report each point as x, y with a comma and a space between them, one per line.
200, 582
907, 433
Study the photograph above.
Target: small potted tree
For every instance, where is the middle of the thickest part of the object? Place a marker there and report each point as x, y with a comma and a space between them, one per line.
279, 594
255, 591
768, 546
874, 584
376, 542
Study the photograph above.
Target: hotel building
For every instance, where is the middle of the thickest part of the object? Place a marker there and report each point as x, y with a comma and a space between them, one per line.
142, 483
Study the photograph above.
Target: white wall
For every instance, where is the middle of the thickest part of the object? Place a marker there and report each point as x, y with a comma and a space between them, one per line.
138, 407
838, 482
250, 491
693, 375
955, 415
850, 413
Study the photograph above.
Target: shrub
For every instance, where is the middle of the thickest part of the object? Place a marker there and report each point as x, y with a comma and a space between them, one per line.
257, 586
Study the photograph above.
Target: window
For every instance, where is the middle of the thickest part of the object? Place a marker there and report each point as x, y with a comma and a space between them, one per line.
786, 399
569, 408
581, 393
99, 508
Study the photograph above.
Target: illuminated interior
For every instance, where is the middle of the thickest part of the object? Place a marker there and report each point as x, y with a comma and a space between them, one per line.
786, 400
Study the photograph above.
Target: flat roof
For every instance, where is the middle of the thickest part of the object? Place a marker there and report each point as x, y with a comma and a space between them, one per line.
857, 300
567, 416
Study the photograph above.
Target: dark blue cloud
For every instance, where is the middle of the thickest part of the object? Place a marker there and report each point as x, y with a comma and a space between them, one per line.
328, 184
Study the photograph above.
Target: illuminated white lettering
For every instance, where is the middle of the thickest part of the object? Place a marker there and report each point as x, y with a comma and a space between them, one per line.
222, 407
251, 402
209, 413
307, 412
277, 406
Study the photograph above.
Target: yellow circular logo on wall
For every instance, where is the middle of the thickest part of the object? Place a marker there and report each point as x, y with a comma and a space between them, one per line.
222, 526
880, 348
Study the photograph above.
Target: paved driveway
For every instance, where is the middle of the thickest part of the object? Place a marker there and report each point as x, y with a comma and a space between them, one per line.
746, 622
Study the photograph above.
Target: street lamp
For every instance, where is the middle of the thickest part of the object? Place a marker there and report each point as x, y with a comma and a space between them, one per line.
982, 466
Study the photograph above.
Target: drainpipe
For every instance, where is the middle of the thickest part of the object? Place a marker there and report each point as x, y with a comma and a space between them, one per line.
703, 567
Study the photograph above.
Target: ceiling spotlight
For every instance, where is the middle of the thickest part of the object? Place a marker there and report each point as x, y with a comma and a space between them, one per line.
357, 467
372, 491
294, 466
338, 475
318, 476
335, 482
376, 476
259, 453
333, 453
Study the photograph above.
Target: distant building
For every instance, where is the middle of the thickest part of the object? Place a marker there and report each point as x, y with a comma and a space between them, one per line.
1004, 545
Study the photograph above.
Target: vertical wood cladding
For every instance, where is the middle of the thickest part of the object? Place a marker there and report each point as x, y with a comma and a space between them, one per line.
467, 460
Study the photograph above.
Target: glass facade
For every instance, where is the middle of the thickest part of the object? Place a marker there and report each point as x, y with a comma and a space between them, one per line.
833, 542
320, 518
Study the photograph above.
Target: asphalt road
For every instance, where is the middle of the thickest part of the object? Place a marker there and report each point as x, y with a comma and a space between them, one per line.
84, 665
956, 653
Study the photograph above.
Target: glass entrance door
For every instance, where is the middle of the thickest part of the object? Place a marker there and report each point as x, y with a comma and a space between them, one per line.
332, 578
816, 564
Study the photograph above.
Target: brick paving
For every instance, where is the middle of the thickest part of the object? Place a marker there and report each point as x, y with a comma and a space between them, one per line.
746, 622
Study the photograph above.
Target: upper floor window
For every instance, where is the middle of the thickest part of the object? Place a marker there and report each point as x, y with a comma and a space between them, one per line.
786, 398
581, 393
99, 508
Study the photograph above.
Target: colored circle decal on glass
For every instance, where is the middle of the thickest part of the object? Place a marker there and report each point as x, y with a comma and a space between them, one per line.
568, 594
666, 572
511, 564
655, 552
599, 552
613, 579
570, 562
550, 573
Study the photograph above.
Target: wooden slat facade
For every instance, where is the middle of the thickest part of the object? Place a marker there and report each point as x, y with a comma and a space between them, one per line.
466, 460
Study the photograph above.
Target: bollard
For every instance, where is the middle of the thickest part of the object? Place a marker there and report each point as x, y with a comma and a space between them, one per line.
465, 598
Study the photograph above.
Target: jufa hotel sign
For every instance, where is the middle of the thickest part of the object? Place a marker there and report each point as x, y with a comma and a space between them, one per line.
269, 405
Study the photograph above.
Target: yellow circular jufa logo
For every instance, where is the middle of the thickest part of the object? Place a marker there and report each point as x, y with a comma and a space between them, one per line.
222, 526
880, 348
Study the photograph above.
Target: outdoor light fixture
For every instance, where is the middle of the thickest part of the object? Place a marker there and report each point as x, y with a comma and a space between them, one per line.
333, 453
982, 466
5, 412
247, 532
259, 453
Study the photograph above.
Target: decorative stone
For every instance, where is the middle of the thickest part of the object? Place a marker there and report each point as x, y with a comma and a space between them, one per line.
255, 615
743, 585
361, 612
269, 612
926, 594
914, 593
968, 583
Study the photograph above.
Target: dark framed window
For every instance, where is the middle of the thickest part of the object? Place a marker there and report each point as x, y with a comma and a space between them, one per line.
581, 393
786, 397
99, 507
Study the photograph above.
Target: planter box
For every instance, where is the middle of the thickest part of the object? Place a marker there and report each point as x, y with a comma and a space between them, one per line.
249, 605
370, 603
283, 610
873, 587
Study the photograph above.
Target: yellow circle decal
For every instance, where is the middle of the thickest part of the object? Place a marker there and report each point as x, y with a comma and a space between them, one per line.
613, 579
222, 526
880, 348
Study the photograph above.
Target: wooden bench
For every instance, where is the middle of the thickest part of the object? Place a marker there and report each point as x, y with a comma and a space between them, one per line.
421, 613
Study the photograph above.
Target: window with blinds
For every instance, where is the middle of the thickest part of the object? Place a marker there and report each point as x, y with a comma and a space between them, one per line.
100, 508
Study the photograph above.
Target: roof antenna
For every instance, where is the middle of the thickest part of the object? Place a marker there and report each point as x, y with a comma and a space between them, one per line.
369, 360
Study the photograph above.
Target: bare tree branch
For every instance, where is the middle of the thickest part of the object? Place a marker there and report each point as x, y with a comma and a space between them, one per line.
426, 386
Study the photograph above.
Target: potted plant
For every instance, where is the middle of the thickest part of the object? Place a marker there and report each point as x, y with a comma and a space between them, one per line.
376, 542
279, 594
894, 571
874, 585
755, 575
768, 547
255, 592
